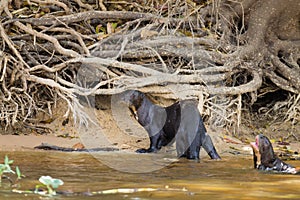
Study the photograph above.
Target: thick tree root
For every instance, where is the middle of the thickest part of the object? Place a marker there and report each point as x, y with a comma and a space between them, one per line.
181, 49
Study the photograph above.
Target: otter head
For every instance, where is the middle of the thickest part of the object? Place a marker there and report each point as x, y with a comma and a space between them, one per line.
133, 99
263, 152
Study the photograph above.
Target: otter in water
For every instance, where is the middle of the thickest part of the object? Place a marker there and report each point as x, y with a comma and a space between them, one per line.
265, 159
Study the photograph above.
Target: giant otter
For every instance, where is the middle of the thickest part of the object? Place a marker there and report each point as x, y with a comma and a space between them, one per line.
180, 121
265, 159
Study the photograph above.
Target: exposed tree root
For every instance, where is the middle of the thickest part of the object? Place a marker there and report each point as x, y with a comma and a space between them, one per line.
54, 50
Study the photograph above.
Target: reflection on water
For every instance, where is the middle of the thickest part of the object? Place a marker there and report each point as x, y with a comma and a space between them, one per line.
231, 178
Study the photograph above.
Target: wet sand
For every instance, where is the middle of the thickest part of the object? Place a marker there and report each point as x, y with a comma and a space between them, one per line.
28, 142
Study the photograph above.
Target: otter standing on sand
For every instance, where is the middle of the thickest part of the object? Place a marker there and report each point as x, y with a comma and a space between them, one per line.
181, 122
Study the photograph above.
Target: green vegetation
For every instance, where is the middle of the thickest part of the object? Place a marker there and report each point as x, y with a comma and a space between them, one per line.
47, 181
50, 183
6, 168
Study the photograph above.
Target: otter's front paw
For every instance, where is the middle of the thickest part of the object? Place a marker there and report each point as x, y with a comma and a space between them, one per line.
214, 155
141, 150
150, 150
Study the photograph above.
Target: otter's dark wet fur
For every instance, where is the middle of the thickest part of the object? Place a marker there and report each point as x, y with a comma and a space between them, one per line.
180, 121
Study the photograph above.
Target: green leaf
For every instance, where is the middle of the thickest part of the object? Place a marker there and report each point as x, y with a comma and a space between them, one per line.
19, 174
46, 180
100, 29
5, 169
7, 161
114, 25
49, 181
2, 167
56, 183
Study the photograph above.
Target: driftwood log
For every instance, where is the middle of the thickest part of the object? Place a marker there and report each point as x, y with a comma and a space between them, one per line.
46, 146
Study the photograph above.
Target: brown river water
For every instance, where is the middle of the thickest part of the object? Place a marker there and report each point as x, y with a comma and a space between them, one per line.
231, 178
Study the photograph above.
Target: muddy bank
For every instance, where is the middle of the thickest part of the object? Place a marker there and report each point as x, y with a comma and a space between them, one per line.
28, 142
129, 135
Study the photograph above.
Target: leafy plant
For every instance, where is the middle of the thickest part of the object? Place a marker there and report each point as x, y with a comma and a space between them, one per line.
50, 183
6, 168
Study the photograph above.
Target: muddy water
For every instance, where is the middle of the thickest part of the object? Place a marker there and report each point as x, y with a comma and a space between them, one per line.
231, 178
